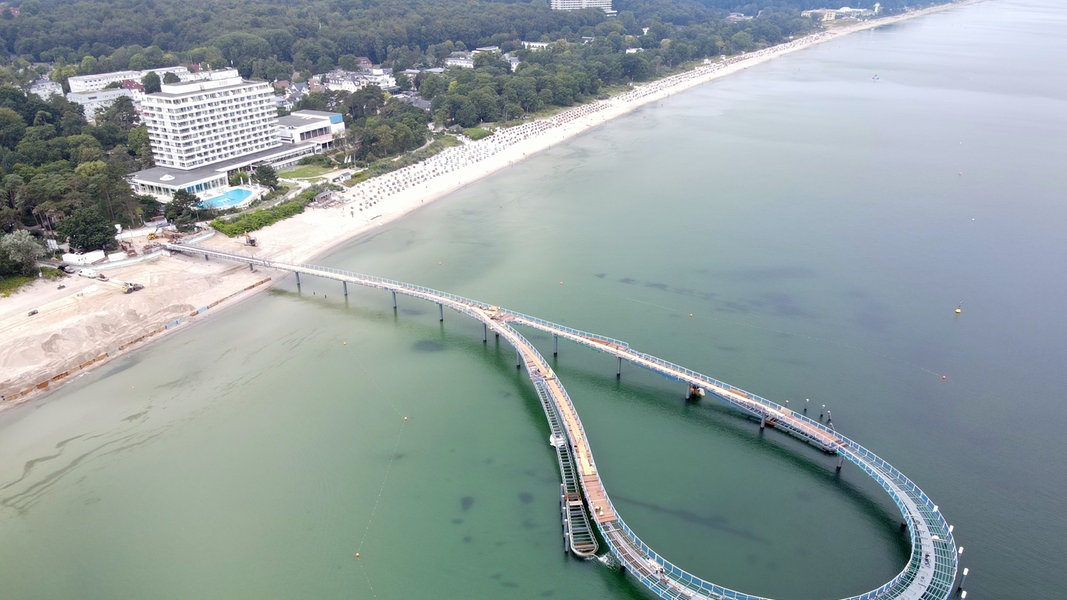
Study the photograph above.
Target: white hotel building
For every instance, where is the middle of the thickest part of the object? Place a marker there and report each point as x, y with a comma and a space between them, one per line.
205, 130
604, 5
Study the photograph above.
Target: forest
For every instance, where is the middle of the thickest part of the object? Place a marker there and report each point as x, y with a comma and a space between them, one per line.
270, 39
55, 166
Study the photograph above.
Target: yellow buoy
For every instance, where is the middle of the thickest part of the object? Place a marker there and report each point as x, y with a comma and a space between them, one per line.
959, 310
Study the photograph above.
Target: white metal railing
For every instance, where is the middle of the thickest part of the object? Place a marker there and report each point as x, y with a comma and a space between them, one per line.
925, 528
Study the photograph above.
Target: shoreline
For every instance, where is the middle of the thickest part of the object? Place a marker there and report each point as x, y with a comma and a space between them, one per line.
91, 324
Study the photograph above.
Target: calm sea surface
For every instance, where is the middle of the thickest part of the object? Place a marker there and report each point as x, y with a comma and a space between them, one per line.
803, 230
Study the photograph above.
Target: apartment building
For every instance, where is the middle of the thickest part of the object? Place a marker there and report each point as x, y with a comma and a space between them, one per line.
604, 5
99, 81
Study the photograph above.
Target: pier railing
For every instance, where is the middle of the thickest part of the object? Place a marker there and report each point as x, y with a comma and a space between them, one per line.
931, 569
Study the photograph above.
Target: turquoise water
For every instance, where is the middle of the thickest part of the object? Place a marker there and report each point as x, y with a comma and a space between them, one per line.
814, 222
230, 199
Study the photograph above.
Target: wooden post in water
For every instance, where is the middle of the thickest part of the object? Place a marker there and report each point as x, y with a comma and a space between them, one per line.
297, 279
518, 359
555, 345
618, 371
394, 299
344, 284
485, 333
441, 312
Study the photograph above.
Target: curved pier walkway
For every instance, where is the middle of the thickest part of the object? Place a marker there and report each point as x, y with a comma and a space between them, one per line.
929, 574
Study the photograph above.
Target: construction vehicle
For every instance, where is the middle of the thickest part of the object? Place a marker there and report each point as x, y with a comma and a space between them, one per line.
127, 287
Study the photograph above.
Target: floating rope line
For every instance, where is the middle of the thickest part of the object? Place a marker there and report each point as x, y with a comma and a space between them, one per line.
385, 480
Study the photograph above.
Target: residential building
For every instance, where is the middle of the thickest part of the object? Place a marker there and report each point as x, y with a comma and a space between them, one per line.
99, 81
95, 100
311, 127
44, 88
604, 5
463, 60
351, 81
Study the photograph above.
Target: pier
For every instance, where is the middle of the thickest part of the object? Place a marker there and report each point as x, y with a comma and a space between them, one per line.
585, 506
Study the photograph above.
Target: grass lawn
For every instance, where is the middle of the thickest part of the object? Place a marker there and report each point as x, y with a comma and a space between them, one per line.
305, 172
9, 285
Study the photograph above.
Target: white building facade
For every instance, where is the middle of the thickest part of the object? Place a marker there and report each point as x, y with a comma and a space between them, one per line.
93, 83
206, 130
604, 5
196, 123
100, 99
311, 127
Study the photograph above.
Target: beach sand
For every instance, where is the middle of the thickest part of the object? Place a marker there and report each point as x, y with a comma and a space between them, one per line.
88, 322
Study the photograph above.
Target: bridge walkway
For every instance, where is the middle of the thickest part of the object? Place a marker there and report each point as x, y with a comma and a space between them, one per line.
931, 569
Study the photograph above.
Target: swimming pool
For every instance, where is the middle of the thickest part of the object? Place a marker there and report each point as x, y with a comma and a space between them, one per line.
231, 199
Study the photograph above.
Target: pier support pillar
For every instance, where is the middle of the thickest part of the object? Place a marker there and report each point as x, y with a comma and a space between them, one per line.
555, 345
762, 422
618, 369
441, 312
250, 267
518, 359
840, 463
485, 333
394, 299
344, 285
205, 258
297, 279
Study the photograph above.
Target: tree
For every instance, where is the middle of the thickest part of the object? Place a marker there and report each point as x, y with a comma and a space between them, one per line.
137, 141
86, 229
151, 83
181, 210
12, 127
169, 77
266, 175
240, 49
21, 249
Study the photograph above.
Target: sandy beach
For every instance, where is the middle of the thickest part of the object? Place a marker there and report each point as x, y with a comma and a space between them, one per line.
88, 322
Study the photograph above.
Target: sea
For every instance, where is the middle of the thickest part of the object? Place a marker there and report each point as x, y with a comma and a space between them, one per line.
805, 229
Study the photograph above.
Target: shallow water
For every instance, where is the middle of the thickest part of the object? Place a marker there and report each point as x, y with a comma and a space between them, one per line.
819, 225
